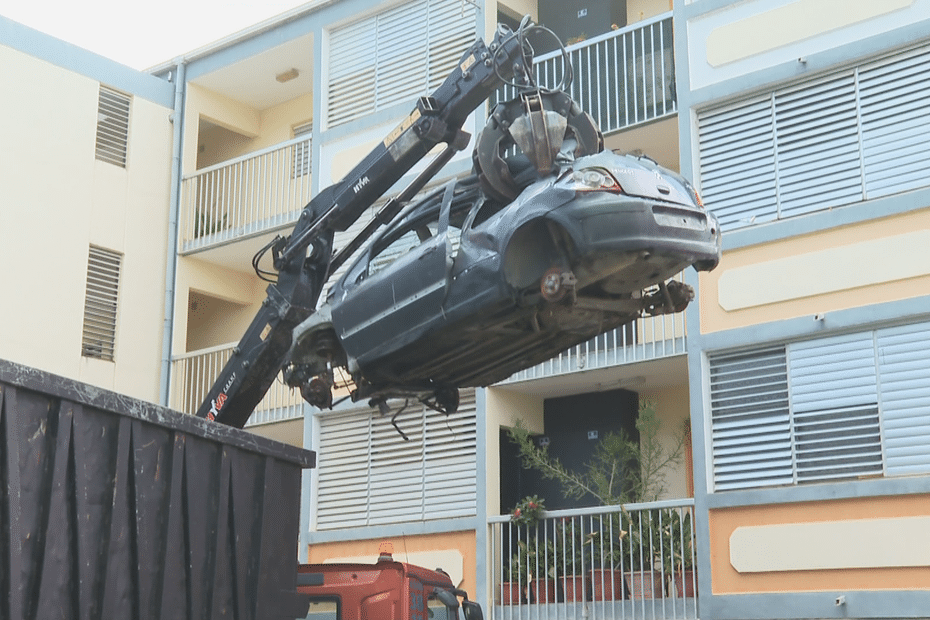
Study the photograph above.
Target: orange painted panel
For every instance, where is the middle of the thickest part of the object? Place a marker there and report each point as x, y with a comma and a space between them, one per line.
727, 580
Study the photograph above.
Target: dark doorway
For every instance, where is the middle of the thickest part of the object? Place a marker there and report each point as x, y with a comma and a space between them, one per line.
573, 427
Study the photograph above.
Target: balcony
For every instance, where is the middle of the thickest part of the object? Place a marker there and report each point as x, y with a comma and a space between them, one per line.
646, 339
245, 196
193, 375
622, 78
633, 562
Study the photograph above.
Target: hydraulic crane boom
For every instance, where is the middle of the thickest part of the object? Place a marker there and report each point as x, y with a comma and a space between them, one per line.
303, 260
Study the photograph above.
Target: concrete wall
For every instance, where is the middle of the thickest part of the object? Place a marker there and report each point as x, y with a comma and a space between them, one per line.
57, 201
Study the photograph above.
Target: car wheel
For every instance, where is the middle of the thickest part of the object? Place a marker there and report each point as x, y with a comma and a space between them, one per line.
556, 283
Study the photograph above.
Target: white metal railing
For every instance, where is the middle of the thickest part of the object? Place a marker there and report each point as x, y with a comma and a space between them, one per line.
246, 195
621, 78
193, 374
634, 561
645, 339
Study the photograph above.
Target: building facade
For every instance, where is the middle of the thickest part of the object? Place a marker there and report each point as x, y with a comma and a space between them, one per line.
86, 176
798, 377
804, 127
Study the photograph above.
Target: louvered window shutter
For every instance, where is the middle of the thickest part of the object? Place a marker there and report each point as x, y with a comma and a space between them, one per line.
737, 163
895, 101
370, 475
100, 304
817, 146
904, 387
397, 468
403, 34
449, 463
395, 56
851, 135
750, 425
343, 463
112, 126
451, 32
352, 55
834, 407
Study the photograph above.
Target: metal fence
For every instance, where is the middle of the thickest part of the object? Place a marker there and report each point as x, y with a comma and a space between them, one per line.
193, 374
246, 195
621, 78
634, 561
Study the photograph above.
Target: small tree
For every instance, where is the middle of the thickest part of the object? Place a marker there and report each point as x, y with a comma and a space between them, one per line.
620, 471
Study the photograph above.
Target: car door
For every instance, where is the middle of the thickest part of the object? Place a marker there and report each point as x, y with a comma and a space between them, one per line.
400, 293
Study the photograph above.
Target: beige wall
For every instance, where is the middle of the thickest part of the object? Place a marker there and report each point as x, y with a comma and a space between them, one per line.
853, 266
239, 296
638, 10
503, 409
247, 129
672, 410
57, 200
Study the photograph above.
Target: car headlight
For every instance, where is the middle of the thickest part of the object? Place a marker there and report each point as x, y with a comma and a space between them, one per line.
594, 180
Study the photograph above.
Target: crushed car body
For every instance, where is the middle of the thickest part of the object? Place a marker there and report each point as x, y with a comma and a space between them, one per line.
496, 272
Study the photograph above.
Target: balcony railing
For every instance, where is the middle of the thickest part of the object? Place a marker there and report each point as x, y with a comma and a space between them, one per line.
645, 339
621, 78
244, 196
193, 375
634, 561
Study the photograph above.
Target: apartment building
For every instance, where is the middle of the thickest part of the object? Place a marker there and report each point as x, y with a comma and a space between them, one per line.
805, 126
85, 145
799, 373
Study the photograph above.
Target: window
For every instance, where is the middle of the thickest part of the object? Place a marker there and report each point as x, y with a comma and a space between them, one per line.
370, 475
836, 408
853, 135
112, 126
395, 56
301, 150
100, 304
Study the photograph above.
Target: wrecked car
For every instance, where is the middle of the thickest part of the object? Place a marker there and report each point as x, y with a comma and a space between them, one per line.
501, 270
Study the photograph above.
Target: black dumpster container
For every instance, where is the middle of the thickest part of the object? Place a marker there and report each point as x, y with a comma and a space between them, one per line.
114, 508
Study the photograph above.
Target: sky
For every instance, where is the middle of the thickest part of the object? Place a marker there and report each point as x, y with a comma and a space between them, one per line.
142, 34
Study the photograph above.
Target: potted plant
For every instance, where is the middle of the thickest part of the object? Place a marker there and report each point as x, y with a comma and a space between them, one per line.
678, 552
531, 566
569, 568
621, 471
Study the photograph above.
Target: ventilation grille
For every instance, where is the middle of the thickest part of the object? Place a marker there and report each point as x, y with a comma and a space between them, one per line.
112, 127
301, 152
99, 337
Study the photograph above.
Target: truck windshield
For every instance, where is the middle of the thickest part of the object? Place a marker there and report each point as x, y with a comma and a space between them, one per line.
324, 608
437, 610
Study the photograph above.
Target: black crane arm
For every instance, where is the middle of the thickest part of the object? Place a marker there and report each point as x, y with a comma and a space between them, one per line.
303, 259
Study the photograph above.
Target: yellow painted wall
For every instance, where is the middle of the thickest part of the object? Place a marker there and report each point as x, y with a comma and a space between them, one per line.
57, 200
638, 10
503, 409
256, 129
853, 266
242, 291
672, 409
855, 515
459, 547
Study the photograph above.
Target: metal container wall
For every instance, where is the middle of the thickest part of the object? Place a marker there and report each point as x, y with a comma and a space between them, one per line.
111, 507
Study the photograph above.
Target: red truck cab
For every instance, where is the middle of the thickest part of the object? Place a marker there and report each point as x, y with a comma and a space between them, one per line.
386, 590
